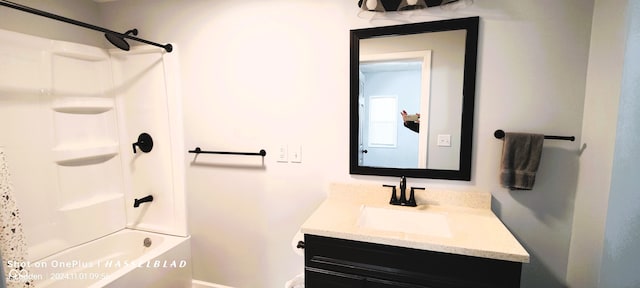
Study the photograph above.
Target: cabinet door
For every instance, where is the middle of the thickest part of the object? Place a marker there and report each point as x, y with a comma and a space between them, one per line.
400, 265
318, 278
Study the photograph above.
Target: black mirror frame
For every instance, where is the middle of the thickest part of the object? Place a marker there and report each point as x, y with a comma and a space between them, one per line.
469, 90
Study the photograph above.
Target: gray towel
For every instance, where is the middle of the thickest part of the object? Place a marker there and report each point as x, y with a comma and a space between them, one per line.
520, 160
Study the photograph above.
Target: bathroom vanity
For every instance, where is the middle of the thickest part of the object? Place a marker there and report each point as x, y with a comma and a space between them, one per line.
452, 239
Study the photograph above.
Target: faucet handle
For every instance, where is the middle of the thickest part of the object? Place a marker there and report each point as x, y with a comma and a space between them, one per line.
145, 142
412, 197
394, 199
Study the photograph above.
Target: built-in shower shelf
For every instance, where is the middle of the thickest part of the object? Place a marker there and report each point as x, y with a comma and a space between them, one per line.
73, 156
83, 105
91, 202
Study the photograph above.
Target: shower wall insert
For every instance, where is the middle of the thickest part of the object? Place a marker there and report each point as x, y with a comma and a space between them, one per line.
68, 115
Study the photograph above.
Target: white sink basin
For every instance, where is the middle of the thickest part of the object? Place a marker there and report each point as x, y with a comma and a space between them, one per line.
406, 221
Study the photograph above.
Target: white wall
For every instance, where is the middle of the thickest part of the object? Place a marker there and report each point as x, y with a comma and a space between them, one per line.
602, 96
621, 248
257, 74
81, 10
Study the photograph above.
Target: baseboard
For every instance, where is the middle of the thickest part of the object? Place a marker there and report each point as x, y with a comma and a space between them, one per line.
203, 284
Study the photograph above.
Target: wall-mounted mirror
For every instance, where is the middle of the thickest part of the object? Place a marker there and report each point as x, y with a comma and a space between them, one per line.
412, 99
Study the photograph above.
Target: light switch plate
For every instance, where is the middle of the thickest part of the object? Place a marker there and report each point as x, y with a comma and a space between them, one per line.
283, 154
444, 140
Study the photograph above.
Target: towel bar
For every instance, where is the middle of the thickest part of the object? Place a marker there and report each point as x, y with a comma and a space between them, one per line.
199, 151
500, 135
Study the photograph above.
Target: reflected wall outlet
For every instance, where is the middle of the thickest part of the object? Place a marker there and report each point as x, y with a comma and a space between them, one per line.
444, 140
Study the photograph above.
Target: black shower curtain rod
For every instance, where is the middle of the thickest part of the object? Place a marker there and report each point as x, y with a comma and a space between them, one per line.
167, 47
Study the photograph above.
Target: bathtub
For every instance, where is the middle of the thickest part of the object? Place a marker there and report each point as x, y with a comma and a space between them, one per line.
121, 259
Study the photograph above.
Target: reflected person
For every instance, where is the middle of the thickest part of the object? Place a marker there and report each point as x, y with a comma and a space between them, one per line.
411, 121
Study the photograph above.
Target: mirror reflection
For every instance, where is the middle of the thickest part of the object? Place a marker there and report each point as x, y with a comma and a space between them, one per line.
414, 82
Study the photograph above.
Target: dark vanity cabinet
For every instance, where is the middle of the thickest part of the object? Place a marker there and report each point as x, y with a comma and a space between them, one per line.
336, 263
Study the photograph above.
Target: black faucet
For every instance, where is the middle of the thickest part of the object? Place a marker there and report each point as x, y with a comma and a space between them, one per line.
403, 194
403, 190
137, 202
394, 199
412, 198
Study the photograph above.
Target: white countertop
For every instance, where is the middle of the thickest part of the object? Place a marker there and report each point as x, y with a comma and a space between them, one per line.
475, 230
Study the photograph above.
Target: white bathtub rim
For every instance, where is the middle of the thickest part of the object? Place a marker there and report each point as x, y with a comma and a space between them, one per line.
122, 230
167, 243
172, 242
204, 284
150, 230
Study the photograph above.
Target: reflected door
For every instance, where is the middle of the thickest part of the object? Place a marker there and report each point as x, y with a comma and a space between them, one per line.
390, 84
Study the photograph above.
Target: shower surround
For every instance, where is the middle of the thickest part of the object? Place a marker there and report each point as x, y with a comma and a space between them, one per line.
69, 114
